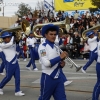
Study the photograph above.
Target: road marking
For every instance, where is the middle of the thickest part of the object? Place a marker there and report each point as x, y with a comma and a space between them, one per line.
81, 78
89, 74
38, 80
38, 87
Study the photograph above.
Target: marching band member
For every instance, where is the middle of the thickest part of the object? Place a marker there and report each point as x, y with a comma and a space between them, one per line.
58, 42
52, 62
20, 50
31, 44
2, 56
92, 42
43, 40
12, 66
96, 91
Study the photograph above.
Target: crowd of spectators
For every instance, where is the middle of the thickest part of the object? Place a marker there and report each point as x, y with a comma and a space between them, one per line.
78, 23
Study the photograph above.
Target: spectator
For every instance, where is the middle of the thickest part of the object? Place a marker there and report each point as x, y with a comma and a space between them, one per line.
63, 15
30, 15
52, 19
86, 50
87, 14
76, 41
59, 15
76, 15
45, 20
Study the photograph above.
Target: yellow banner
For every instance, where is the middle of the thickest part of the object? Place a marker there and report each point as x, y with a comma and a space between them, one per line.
67, 5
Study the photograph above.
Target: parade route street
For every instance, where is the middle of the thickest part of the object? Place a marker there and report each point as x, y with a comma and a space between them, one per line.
80, 89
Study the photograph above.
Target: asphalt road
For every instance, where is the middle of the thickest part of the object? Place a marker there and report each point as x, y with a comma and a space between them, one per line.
80, 89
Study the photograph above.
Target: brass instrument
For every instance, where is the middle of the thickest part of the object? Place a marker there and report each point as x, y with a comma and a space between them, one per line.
24, 27
70, 61
92, 28
1, 40
61, 24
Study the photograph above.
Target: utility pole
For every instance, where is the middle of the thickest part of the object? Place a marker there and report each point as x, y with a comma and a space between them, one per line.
3, 11
1, 1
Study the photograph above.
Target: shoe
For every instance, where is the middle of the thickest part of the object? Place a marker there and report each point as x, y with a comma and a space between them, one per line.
1, 92
67, 83
19, 93
35, 69
2, 73
83, 70
29, 68
24, 59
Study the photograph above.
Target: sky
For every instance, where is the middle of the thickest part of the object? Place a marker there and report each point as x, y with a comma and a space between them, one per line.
11, 6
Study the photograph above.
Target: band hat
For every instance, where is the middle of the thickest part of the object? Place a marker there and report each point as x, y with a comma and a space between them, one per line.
5, 34
89, 33
49, 26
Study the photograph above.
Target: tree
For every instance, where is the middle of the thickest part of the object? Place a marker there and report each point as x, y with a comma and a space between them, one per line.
23, 9
95, 3
40, 5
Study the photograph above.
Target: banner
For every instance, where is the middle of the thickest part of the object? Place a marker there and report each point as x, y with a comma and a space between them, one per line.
67, 5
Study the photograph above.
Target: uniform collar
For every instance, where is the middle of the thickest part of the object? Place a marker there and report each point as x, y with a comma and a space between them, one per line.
50, 43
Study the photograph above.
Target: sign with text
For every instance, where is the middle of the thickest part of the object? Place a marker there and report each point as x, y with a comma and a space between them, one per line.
67, 5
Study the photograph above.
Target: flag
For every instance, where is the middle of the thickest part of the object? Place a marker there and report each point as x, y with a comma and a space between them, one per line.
48, 6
